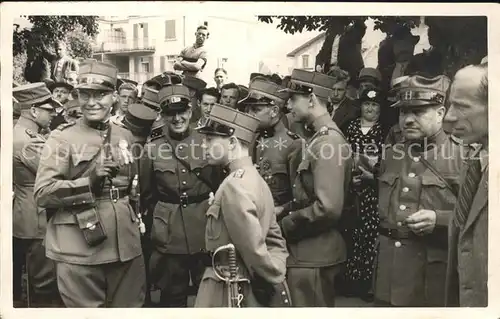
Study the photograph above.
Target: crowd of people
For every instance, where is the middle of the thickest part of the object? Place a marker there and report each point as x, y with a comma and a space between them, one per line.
372, 187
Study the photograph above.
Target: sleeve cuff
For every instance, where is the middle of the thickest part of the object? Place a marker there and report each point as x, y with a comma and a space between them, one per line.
81, 194
442, 217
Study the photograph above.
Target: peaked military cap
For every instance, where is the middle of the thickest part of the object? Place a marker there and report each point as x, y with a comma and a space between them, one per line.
225, 121
139, 119
306, 82
51, 85
417, 90
97, 76
164, 79
150, 99
243, 91
262, 91
174, 99
34, 93
194, 83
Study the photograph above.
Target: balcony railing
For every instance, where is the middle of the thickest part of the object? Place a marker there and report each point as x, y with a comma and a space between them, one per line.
139, 77
116, 45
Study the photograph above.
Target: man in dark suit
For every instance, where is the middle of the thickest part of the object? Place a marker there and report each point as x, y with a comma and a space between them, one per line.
467, 274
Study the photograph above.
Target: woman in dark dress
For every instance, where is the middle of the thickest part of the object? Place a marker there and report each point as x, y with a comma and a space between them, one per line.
366, 136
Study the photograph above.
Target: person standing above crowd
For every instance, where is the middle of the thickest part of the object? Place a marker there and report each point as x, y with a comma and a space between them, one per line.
417, 192
467, 275
220, 78
29, 221
193, 59
176, 184
321, 182
84, 179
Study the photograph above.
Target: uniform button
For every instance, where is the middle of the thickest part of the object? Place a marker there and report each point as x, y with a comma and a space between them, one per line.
293, 185
184, 183
184, 193
399, 224
183, 170
397, 244
402, 207
416, 159
184, 205
83, 202
260, 158
180, 147
411, 175
405, 189
294, 199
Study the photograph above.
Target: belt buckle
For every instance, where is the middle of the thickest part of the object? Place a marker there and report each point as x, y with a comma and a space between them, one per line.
184, 200
114, 194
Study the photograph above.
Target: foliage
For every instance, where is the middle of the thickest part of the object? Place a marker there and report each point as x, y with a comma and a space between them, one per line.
79, 44
461, 40
46, 30
18, 68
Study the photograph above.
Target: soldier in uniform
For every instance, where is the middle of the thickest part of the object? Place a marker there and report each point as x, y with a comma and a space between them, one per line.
176, 184
320, 182
29, 221
242, 213
274, 142
84, 178
418, 183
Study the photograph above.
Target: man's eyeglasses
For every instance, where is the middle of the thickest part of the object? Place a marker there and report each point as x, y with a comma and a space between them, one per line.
97, 95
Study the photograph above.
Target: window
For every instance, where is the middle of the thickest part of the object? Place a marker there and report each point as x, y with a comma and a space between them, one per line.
305, 61
170, 30
145, 66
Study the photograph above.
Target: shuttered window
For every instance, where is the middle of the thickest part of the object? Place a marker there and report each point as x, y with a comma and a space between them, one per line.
170, 30
162, 64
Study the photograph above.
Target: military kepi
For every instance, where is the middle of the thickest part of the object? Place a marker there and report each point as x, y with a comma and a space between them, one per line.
306, 82
225, 121
416, 90
139, 119
174, 99
34, 93
263, 91
97, 76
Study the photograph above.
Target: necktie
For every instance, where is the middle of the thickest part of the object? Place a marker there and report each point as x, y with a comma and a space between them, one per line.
467, 192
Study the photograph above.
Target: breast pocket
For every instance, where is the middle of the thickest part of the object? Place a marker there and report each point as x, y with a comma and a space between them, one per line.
160, 232
164, 166
387, 183
214, 222
436, 194
86, 155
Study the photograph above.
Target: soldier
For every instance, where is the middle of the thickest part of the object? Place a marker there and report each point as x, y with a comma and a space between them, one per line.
85, 177
417, 192
60, 92
29, 221
321, 180
176, 184
242, 213
274, 142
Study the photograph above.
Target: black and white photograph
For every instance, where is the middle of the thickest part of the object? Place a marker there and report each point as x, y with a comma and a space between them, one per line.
239, 159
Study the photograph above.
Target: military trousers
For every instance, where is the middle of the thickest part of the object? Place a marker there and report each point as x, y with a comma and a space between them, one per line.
313, 287
171, 273
113, 285
42, 284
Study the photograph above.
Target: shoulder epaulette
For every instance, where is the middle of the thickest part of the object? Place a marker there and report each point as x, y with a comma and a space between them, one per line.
293, 135
64, 126
239, 173
31, 133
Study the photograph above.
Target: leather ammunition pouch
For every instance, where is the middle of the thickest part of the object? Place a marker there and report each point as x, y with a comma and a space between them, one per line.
91, 226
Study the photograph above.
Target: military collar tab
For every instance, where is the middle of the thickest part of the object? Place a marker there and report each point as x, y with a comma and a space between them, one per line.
100, 126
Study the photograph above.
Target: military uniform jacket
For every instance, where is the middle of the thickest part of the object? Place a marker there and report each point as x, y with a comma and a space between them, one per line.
29, 221
411, 271
243, 214
321, 180
272, 157
177, 228
67, 152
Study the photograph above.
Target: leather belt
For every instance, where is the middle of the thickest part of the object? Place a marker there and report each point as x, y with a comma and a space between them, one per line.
183, 200
113, 194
